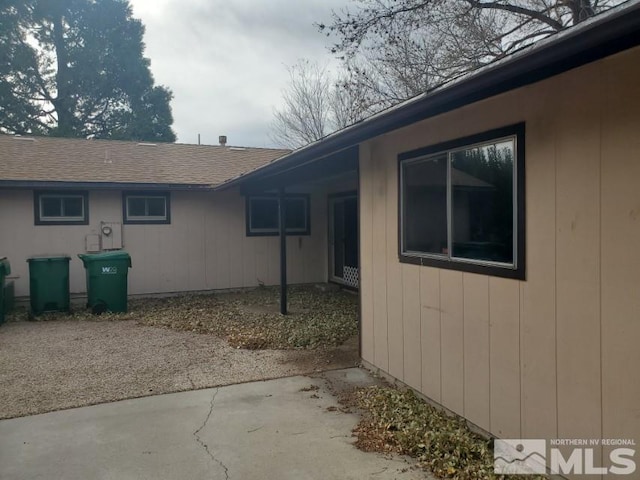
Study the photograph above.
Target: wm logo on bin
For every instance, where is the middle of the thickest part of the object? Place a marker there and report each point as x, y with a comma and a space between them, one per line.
109, 270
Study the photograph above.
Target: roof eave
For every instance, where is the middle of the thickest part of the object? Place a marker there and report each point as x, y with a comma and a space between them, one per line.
44, 184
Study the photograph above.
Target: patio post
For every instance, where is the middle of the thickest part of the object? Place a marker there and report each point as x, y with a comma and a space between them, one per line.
283, 251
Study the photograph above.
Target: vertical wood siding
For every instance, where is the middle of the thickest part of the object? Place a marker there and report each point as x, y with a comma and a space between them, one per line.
555, 355
205, 246
620, 254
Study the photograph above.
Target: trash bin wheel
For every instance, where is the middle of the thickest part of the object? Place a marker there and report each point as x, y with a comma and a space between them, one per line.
99, 308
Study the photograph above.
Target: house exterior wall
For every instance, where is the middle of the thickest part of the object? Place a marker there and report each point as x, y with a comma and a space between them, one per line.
555, 355
203, 248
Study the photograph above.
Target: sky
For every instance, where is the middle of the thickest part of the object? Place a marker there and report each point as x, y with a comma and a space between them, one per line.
226, 60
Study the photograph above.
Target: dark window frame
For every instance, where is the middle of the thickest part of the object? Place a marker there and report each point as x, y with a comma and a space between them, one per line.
518, 270
37, 217
276, 232
146, 194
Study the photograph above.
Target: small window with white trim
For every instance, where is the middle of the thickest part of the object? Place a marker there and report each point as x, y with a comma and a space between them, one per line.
462, 204
263, 215
61, 208
141, 208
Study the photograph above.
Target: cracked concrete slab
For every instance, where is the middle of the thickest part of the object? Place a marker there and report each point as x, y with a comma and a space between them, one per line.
204, 445
261, 430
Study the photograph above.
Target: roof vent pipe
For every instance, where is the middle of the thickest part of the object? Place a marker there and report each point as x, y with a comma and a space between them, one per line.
223, 140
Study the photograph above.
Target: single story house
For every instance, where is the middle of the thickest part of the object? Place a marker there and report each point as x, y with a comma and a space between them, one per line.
157, 201
491, 225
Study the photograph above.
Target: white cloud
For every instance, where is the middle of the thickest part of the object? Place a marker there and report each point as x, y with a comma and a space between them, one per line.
226, 61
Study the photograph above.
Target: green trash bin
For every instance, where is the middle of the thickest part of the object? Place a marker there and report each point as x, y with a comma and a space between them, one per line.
107, 280
49, 283
5, 269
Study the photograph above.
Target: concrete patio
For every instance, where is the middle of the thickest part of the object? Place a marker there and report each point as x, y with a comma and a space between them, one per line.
276, 429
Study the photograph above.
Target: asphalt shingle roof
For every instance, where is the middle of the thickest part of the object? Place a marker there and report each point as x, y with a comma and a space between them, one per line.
76, 160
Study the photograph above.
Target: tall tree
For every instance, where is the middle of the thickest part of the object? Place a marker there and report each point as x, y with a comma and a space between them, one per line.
76, 68
314, 105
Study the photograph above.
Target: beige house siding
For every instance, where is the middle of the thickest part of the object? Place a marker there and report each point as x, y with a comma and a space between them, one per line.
555, 355
204, 248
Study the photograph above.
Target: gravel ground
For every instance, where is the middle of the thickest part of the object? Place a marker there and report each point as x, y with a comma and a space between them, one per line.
52, 365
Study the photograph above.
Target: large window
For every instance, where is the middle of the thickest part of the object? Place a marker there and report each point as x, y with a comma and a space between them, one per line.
462, 204
140, 208
263, 217
61, 208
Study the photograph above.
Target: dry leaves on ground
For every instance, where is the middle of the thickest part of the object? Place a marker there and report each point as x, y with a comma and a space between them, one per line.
248, 319
396, 421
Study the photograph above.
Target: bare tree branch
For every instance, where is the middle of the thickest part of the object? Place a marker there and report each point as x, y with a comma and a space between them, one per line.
314, 105
396, 49
540, 16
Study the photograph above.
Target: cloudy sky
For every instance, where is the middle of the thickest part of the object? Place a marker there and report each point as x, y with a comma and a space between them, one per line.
226, 60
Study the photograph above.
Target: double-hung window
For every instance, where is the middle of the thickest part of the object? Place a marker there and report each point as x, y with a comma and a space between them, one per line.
141, 208
462, 204
61, 208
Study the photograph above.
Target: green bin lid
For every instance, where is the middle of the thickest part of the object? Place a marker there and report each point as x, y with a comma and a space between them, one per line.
113, 255
49, 258
5, 268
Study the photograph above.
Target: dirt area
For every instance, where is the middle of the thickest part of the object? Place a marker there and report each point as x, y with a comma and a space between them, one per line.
76, 360
61, 364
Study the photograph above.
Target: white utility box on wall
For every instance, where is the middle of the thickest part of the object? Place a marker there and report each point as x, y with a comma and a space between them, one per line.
92, 243
111, 235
